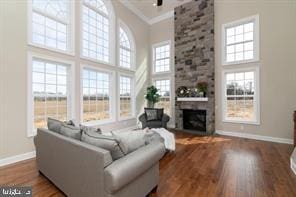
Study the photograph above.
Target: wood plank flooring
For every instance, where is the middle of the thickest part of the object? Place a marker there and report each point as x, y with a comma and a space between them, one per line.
201, 166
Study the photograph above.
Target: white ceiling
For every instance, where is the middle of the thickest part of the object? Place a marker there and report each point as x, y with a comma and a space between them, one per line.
149, 12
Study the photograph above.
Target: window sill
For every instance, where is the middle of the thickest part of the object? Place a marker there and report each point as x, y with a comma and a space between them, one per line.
242, 122
96, 61
98, 122
127, 118
240, 62
34, 45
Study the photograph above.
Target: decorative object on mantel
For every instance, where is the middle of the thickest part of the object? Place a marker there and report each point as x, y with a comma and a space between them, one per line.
202, 88
152, 96
182, 91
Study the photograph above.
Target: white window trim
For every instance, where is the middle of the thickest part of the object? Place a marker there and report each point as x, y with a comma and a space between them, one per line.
158, 78
112, 96
70, 35
30, 103
133, 96
254, 19
256, 70
130, 36
112, 36
168, 42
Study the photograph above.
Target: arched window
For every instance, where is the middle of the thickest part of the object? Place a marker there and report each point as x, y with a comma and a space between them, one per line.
51, 24
126, 48
96, 30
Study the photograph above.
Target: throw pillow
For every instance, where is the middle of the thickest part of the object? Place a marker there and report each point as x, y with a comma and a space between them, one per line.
159, 113
132, 140
71, 131
87, 128
54, 125
151, 114
109, 143
151, 136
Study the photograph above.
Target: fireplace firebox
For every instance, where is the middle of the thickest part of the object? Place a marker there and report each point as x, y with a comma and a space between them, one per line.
195, 120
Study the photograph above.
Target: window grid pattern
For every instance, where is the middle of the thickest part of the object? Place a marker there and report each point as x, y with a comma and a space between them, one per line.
162, 58
96, 95
240, 96
95, 32
50, 85
163, 87
240, 42
125, 97
50, 23
125, 49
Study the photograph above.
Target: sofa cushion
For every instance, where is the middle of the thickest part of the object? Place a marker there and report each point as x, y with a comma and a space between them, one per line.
54, 125
132, 140
126, 169
71, 131
91, 129
116, 148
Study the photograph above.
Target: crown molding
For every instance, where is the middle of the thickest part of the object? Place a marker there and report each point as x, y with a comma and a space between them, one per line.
135, 10
149, 21
161, 17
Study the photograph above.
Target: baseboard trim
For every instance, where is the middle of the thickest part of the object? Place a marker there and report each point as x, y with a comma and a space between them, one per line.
17, 158
256, 137
293, 166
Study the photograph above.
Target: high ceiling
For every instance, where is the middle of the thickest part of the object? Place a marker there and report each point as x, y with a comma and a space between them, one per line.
148, 10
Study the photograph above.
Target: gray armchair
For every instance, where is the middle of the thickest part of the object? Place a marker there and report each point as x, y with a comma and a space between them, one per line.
154, 123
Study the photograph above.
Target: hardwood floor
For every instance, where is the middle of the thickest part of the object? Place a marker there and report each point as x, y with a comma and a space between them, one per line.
201, 166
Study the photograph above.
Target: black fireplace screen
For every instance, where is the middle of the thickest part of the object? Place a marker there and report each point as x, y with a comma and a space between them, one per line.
195, 120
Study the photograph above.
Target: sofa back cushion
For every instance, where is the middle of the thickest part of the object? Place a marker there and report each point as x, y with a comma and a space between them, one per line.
54, 125
132, 140
116, 148
71, 131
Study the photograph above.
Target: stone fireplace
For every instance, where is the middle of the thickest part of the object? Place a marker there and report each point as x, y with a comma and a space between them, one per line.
194, 58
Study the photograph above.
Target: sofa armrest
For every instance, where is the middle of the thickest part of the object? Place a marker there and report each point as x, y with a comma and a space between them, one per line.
75, 167
123, 171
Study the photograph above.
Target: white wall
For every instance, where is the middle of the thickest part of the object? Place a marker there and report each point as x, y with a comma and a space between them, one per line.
13, 76
277, 64
160, 32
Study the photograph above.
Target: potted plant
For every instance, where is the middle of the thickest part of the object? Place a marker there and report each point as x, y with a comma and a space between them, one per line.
203, 88
152, 96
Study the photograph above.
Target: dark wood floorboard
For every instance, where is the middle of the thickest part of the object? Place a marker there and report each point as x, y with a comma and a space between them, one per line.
201, 166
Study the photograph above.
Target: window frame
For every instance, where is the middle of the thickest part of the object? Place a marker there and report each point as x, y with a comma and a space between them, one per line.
171, 88
112, 95
130, 36
31, 131
160, 44
257, 114
256, 39
111, 17
133, 100
70, 35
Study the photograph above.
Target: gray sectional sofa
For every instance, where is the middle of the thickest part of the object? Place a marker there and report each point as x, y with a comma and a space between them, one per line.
80, 169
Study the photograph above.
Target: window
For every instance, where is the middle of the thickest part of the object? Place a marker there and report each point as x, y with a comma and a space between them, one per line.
161, 57
164, 89
50, 91
126, 103
241, 103
241, 41
95, 30
51, 24
96, 95
125, 51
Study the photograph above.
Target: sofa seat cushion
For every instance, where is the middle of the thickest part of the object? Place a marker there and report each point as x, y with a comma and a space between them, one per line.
126, 169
